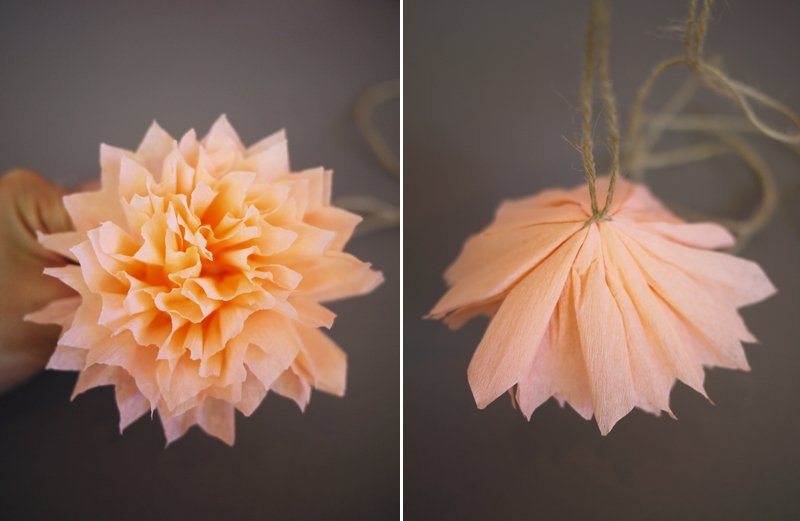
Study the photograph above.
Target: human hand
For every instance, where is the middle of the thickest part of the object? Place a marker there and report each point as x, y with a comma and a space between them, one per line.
28, 203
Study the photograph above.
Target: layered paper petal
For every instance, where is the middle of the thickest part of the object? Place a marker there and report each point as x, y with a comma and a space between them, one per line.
201, 268
604, 315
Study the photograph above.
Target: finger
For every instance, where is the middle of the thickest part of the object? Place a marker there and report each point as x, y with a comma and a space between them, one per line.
38, 201
89, 186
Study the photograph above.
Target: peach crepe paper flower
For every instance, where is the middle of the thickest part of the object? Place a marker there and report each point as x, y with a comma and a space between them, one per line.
200, 270
604, 316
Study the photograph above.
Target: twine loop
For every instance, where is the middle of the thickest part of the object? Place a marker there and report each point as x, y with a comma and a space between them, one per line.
639, 143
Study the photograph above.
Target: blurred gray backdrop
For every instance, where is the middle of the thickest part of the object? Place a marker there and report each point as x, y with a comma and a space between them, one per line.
491, 90
75, 74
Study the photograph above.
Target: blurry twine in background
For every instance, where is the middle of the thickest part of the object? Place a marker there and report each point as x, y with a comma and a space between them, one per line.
725, 131
365, 107
378, 214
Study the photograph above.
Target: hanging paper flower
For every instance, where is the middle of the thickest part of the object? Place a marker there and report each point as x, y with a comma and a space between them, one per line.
606, 314
201, 266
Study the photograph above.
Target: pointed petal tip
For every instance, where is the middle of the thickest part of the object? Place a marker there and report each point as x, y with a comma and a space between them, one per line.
606, 425
228, 439
437, 311
481, 402
604, 428
483, 393
123, 425
154, 125
436, 314
584, 412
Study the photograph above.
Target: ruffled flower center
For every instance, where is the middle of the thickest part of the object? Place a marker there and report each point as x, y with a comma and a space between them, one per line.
202, 252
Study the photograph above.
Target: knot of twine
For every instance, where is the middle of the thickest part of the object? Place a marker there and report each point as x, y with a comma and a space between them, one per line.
695, 35
714, 78
722, 129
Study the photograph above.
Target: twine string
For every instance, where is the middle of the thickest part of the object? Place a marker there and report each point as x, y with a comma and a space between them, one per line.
714, 78
596, 55
640, 141
377, 213
365, 107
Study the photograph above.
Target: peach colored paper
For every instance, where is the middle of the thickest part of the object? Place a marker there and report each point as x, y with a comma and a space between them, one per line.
604, 316
200, 268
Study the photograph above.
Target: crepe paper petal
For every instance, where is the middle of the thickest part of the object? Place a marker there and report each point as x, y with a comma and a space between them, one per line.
202, 266
604, 315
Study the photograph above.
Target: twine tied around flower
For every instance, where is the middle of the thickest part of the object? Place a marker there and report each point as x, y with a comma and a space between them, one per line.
596, 50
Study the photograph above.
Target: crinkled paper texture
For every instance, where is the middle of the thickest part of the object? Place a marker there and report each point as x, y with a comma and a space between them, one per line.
604, 316
201, 267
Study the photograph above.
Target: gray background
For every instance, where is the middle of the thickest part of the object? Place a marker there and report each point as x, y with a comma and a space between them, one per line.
490, 89
75, 74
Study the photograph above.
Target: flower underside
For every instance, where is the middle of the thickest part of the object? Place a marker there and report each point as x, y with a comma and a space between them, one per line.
605, 316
